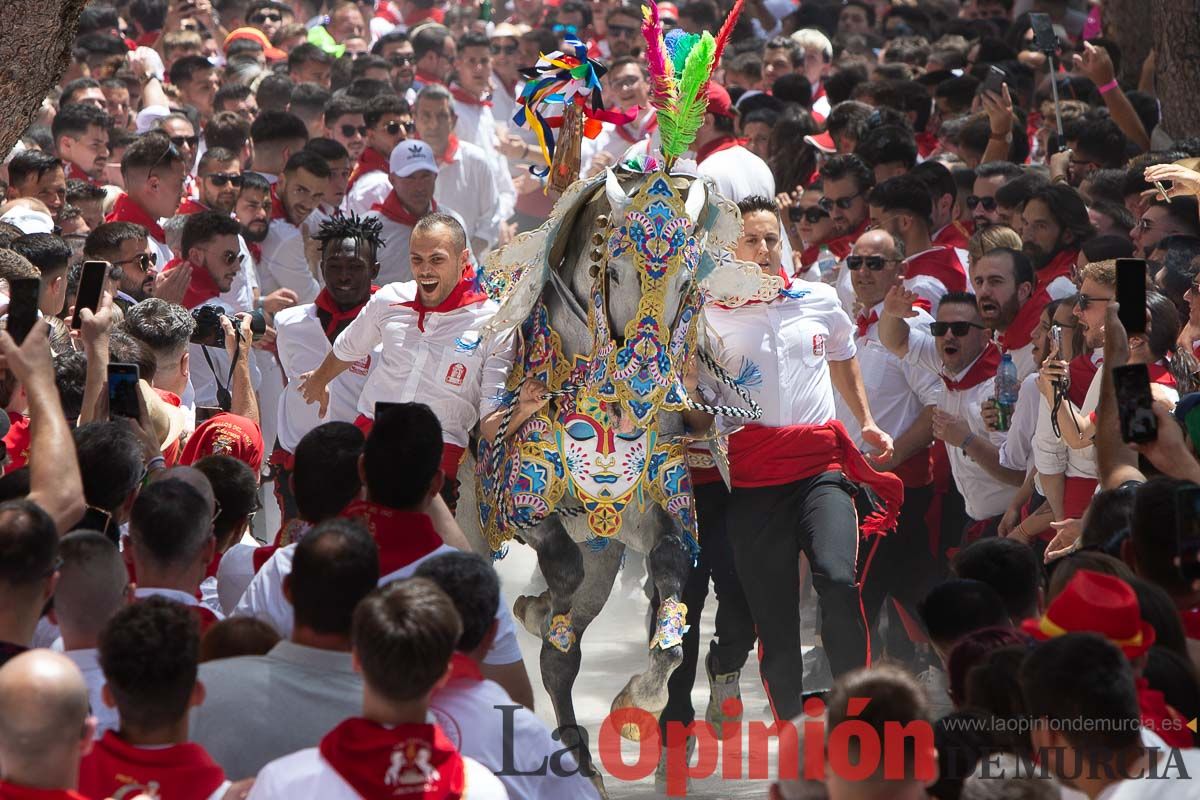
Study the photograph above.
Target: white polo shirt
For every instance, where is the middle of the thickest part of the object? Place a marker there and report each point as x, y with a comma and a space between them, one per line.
284, 265
466, 184
436, 358
984, 496
301, 346
368, 190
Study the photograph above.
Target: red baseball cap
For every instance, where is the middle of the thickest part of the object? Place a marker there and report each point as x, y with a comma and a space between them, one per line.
1093, 602
718, 100
822, 141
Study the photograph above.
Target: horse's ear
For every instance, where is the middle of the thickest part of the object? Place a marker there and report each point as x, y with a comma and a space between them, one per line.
618, 201
696, 198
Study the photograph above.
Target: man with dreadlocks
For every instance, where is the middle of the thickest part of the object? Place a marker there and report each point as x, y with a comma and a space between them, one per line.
305, 335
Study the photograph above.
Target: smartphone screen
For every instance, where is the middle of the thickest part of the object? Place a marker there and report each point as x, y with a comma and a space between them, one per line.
1187, 531
1132, 384
91, 286
123, 390
1131, 294
22, 307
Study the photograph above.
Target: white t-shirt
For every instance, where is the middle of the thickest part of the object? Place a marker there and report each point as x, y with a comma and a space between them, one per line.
284, 265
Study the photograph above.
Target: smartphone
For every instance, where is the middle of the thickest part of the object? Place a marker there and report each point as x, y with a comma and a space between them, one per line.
1131, 293
1187, 531
1134, 403
91, 286
382, 407
995, 79
205, 413
1044, 37
22, 307
123, 391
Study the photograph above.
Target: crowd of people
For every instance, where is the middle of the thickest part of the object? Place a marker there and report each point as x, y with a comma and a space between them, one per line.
295, 202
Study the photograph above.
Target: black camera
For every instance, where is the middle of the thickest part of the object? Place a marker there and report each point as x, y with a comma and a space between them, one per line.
208, 330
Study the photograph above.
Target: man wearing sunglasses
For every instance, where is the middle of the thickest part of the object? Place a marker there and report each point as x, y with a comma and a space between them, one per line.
344, 124
397, 50
902, 207
792, 470
958, 349
628, 84
388, 121
505, 77
989, 177
847, 180
218, 182
622, 32
903, 397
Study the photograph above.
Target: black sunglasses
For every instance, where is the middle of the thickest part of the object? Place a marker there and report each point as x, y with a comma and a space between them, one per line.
219, 179
505, 49
180, 141
258, 19
144, 260
811, 215
843, 203
400, 59
873, 263
230, 256
939, 329
988, 203
1083, 301
349, 130
394, 127
621, 31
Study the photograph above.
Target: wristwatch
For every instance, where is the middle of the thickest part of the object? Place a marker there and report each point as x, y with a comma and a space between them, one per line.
1001, 137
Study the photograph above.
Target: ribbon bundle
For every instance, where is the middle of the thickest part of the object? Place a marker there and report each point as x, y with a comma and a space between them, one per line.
562, 79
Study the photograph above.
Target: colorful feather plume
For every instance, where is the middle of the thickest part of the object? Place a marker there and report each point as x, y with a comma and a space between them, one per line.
677, 127
662, 71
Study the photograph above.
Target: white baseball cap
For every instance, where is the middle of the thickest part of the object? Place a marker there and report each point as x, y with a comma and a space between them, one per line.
28, 220
412, 156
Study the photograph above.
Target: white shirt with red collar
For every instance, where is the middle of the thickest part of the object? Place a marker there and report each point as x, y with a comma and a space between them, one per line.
933, 273
985, 497
206, 615
477, 125
736, 171
505, 105
472, 713
897, 391
465, 183
434, 357
371, 188
283, 264
301, 345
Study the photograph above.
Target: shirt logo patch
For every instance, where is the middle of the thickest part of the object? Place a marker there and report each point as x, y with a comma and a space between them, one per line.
456, 374
361, 367
818, 344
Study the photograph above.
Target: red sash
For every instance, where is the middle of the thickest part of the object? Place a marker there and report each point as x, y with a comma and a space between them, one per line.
985, 367
115, 768
956, 234
416, 762
941, 263
1082, 370
402, 536
463, 668
464, 294
262, 555
763, 456
716, 146
10, 791
426, 80
125, 209
623, 130
397, 212
842, 245
463, 96
190, 206
201, 286
370, 161
337, 316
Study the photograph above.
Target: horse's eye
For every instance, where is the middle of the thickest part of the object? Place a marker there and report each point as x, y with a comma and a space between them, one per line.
614, 275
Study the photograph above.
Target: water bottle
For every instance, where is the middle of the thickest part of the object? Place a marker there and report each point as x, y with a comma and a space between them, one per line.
826, 262
1006, 391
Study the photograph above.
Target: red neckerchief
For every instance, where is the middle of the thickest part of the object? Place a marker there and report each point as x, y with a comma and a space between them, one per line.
1020, 331
716, 146
926, 143
419, 15
1160, 374
125, 209
371, 160
984, 367
255, 251
402, 536
463, 294
1059, 267
865, 322
190, 206
115, 767
1082, 370
651, 127
451, 149
386, 12
956, 234
842, 245
1160, 717
10, 791
72, 172
147, 39
415, 761
397, 212
940, 263
337, 317
463, 96
201, 286
17, 441
462, 667
426, 80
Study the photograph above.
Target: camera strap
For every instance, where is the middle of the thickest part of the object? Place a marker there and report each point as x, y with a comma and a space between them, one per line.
224, 397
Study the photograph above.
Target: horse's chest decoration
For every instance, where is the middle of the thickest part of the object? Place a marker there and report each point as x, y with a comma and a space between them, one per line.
598, 440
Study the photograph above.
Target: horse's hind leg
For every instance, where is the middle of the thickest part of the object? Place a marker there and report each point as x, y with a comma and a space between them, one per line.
669, 563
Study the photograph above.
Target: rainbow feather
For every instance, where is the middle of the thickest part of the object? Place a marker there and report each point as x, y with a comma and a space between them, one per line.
679, 44
678, 126
658, 62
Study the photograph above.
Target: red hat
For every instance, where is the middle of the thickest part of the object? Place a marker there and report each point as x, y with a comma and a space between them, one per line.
822, 141
226, 435
718, 100
1093, 602
255, 35
668, 10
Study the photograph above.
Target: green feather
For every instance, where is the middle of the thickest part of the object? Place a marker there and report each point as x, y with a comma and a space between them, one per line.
677, 127
683, 46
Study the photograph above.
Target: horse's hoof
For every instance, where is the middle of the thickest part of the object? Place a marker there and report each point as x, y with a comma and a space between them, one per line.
631, 732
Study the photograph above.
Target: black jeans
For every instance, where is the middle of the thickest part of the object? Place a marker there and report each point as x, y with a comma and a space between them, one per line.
769, 527
734, 625
899, 565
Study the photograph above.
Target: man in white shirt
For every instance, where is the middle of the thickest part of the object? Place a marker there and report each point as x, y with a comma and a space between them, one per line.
466, 179
403, 640
93, 585
388, 120
476, 714
736, 171
902, 398
309, 677
958, 349
628, 85
1003, 282
300, 190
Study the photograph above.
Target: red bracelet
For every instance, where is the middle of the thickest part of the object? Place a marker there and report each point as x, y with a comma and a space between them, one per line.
1108, 87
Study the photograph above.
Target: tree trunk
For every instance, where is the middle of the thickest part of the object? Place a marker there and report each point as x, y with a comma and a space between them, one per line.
1177, 68
35, 48
1127, 22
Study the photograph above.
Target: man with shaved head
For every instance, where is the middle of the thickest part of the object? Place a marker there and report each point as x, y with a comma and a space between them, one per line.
44, 726
93, 585
903, 397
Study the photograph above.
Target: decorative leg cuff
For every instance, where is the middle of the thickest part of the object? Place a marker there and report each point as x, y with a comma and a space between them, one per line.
561, 635
671, 628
